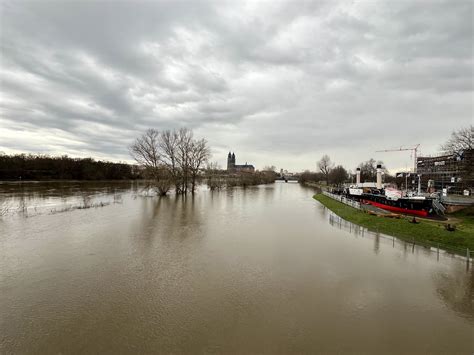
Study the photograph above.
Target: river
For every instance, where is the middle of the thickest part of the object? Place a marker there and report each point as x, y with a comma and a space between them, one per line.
257, 270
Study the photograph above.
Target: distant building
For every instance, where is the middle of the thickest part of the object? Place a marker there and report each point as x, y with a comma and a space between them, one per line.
452, 172
232, 167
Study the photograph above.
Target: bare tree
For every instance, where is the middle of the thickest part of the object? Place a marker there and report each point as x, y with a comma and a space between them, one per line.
459, 144
164, 182
460, 141
338, 175
368, 169
146, 151
214, 176
171, 158
185, 146
169, 142
325, 165
199, 155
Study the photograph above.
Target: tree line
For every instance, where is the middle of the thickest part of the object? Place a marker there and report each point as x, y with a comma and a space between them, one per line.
217, 178
336, 175
45, 167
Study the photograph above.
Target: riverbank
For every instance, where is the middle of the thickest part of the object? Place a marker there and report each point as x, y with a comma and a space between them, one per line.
429, 232
313, 184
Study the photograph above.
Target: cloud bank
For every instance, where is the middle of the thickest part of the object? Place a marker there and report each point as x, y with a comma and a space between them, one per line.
280, 83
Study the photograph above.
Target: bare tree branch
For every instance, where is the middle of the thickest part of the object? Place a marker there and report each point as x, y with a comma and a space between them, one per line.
172, 157
325, 165
460, 141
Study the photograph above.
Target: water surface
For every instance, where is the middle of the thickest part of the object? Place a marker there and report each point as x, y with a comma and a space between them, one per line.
257, 270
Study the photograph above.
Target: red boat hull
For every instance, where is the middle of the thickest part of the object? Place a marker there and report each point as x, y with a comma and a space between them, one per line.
420, 213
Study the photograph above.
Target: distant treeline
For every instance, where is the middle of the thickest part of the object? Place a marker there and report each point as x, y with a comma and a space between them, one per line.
218, 179
44, 167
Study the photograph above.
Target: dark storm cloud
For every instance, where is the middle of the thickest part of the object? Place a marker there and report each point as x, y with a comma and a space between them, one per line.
279, 82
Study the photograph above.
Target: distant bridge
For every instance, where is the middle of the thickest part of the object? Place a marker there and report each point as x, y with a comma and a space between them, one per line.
287, 178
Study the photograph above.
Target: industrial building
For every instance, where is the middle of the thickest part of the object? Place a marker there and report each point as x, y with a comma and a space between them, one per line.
453, 172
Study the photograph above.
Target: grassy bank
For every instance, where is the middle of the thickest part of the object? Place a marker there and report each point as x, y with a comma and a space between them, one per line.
430, 232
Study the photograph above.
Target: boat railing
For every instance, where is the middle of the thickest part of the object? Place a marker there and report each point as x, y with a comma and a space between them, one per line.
343, 199
440, 209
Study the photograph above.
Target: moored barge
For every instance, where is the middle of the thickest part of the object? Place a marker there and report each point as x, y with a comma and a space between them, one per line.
391, 199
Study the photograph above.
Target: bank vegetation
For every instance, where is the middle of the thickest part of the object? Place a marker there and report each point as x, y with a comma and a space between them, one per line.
217, 179
44, 167
429, 232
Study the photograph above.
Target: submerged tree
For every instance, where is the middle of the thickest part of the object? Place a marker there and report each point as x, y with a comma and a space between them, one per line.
215, 177
171, 158
146, 152
199, 155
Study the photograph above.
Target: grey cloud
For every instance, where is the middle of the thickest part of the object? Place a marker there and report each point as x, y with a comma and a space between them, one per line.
269, 79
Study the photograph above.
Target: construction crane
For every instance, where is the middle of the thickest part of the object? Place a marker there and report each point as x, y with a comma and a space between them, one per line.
413, 149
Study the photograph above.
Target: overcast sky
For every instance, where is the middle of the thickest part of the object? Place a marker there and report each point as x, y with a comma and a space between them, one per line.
280, 83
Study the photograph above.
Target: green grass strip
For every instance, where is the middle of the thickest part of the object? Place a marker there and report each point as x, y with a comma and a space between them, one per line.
427, 232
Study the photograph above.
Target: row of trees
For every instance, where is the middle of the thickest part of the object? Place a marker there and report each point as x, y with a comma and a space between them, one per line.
171, 158
334, 174
44, 167
216, 179
337, 174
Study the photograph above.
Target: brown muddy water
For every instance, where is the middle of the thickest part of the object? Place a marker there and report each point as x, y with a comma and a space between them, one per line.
256, 270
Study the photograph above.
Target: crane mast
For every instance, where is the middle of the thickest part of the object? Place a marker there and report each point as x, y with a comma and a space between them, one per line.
413, 149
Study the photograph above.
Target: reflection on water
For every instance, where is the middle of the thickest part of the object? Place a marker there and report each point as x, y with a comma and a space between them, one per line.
257, 270
357, 230
457, 291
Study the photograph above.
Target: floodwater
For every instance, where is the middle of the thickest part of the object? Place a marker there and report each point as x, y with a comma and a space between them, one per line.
257, 270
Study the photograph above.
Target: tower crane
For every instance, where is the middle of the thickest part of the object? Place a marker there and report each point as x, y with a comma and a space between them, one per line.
414, 149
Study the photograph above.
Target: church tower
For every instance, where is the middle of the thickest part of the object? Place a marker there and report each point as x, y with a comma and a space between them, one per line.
230, 161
